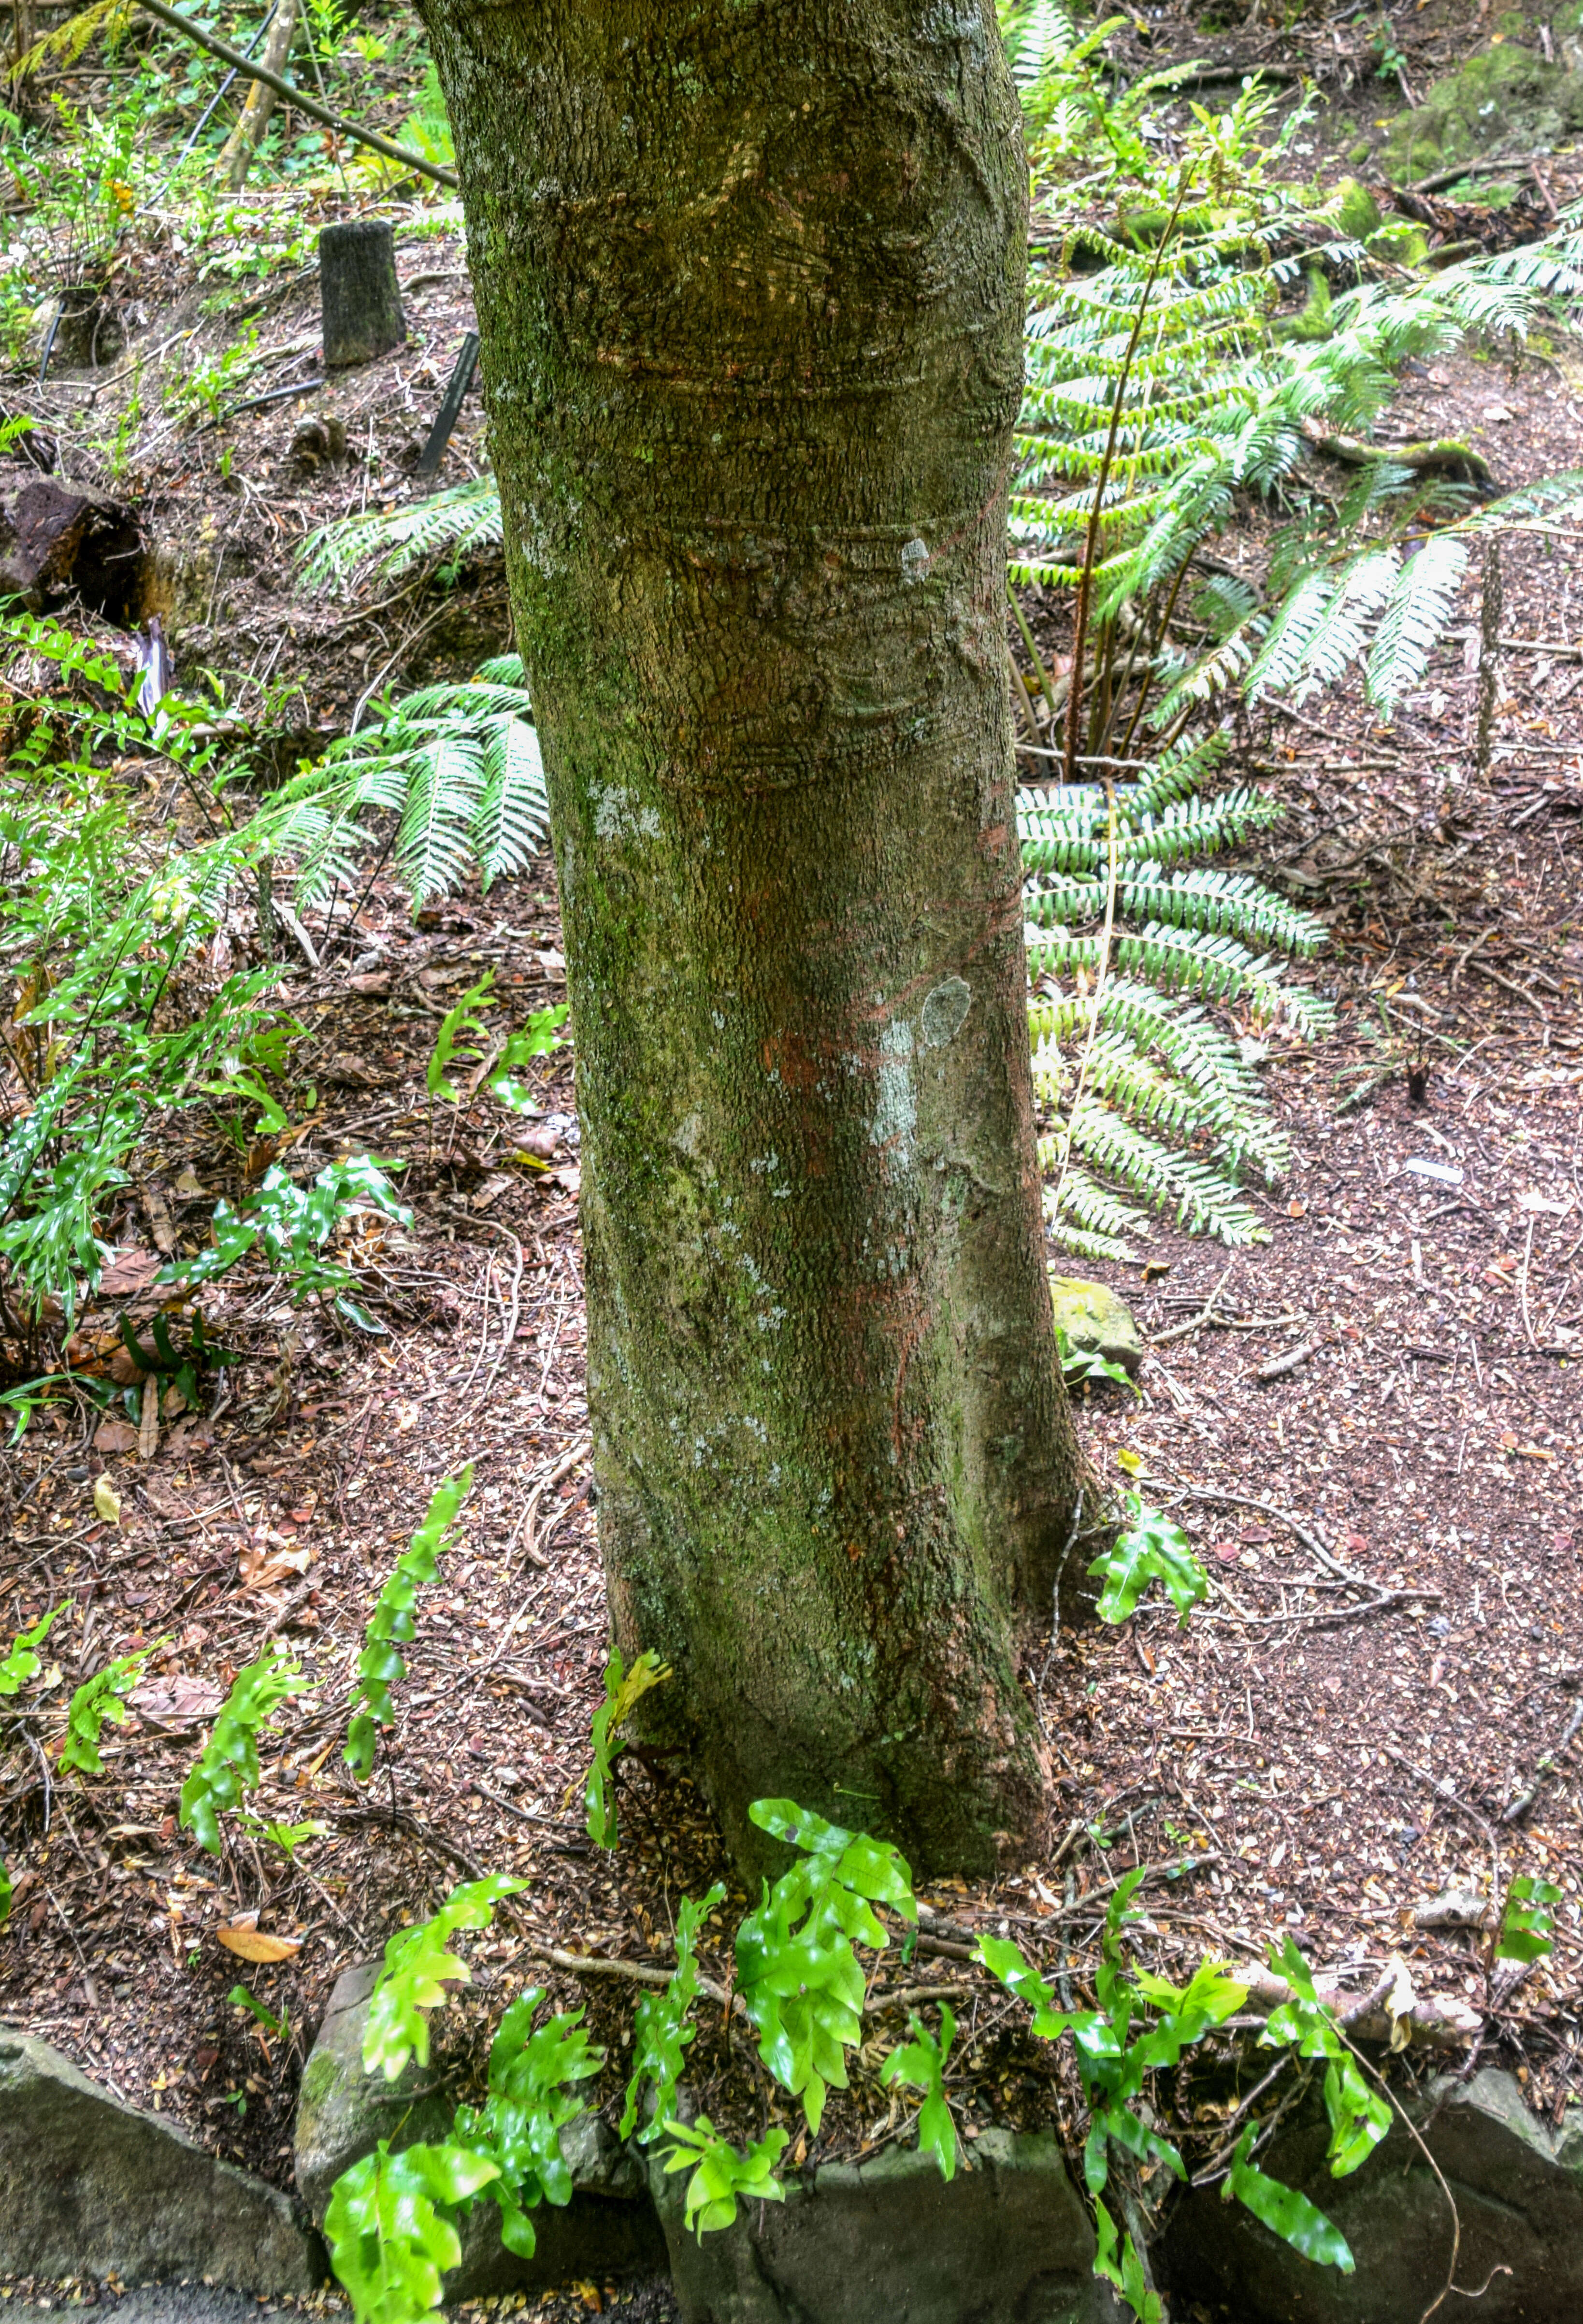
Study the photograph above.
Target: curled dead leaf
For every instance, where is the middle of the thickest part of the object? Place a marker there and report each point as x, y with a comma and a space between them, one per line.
257, 1944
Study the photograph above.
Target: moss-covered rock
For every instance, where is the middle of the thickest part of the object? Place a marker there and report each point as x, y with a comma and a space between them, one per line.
1505, 95
1095, 1321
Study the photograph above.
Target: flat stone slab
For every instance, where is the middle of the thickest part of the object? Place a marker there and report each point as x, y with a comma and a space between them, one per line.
1518, 2188
89, 2186
1006, 2241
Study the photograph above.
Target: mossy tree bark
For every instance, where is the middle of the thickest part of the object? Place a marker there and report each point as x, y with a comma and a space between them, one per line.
750, 284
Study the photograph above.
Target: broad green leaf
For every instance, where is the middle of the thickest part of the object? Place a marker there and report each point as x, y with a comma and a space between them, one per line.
1528, 1923
721, 2175
1151, 1549
922, 2063
1286, 2211
417, 1969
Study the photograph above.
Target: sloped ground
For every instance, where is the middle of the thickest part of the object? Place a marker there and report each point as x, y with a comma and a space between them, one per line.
1293, 1740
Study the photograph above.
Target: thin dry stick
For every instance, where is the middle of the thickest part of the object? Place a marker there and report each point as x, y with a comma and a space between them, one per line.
1180, 1331
1546, 1767
1101, 973
1090, 546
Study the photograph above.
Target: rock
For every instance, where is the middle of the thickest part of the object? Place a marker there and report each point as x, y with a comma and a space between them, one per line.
608, 2228
89, 2186
890, 2242
1094, 1319
1519, 2190
343, 2113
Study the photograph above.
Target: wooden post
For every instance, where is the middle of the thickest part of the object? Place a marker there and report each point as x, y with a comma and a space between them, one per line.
359, 296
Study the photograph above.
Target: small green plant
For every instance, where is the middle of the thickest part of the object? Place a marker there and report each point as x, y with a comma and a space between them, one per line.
1152, 1549
920, 2063
227, 1766
380, 1665
798, 1977
1527, 1930
182, 1369
22, 1662
292, 1224
721, 2176
390, 2240
417, 1969
390, 2232
287, 1837
623, 1689
100, 1698
537, 1038
1141, 2026
661, 2031
240, 1998
530, 2099
1081, 1366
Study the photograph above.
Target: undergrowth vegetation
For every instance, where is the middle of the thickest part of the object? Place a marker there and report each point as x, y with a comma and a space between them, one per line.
1180, 365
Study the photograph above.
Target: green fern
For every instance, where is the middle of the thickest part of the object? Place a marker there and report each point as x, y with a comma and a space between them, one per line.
456, 523
1142, 1084
458, 765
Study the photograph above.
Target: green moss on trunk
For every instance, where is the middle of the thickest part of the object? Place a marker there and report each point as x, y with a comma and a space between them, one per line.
749, 281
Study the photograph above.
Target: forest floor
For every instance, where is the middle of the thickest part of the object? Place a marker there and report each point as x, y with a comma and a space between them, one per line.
1329, 1760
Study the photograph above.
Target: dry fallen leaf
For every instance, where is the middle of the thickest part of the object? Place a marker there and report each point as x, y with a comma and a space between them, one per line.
255, 1571
130, 1270
112, 1437
256, 1945
106, 1500
178, 1701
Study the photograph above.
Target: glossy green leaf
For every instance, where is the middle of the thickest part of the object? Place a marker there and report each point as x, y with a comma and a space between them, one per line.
722, 2176
1286, 2211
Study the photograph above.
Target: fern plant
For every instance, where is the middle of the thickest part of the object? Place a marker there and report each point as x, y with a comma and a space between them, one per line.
1139, 1082
458, 764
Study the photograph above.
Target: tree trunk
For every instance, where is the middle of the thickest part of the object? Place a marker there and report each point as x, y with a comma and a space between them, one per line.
750, 286
238, 152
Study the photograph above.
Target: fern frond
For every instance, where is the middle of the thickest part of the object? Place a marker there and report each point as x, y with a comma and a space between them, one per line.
1415, 619
1206, 1200
461, 521
514, 812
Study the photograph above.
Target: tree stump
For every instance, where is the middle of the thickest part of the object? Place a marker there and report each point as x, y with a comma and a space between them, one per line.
359, 296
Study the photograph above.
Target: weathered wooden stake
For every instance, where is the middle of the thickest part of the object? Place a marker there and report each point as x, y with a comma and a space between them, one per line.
359, 296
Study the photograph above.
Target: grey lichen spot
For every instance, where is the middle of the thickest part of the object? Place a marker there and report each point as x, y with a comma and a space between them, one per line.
945, 1012
914, 560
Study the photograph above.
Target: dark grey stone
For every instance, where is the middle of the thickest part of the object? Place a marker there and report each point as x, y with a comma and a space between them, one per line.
890, 2242
608, 2229
1518, 2187
89, 2186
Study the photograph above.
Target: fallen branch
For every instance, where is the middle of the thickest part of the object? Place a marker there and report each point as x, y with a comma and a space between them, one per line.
228, 55
1442, 456
1279, 1366
1441, 2024
1204, 1315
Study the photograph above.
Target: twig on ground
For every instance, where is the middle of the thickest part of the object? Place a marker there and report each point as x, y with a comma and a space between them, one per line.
1546, 1768
1204, 1315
